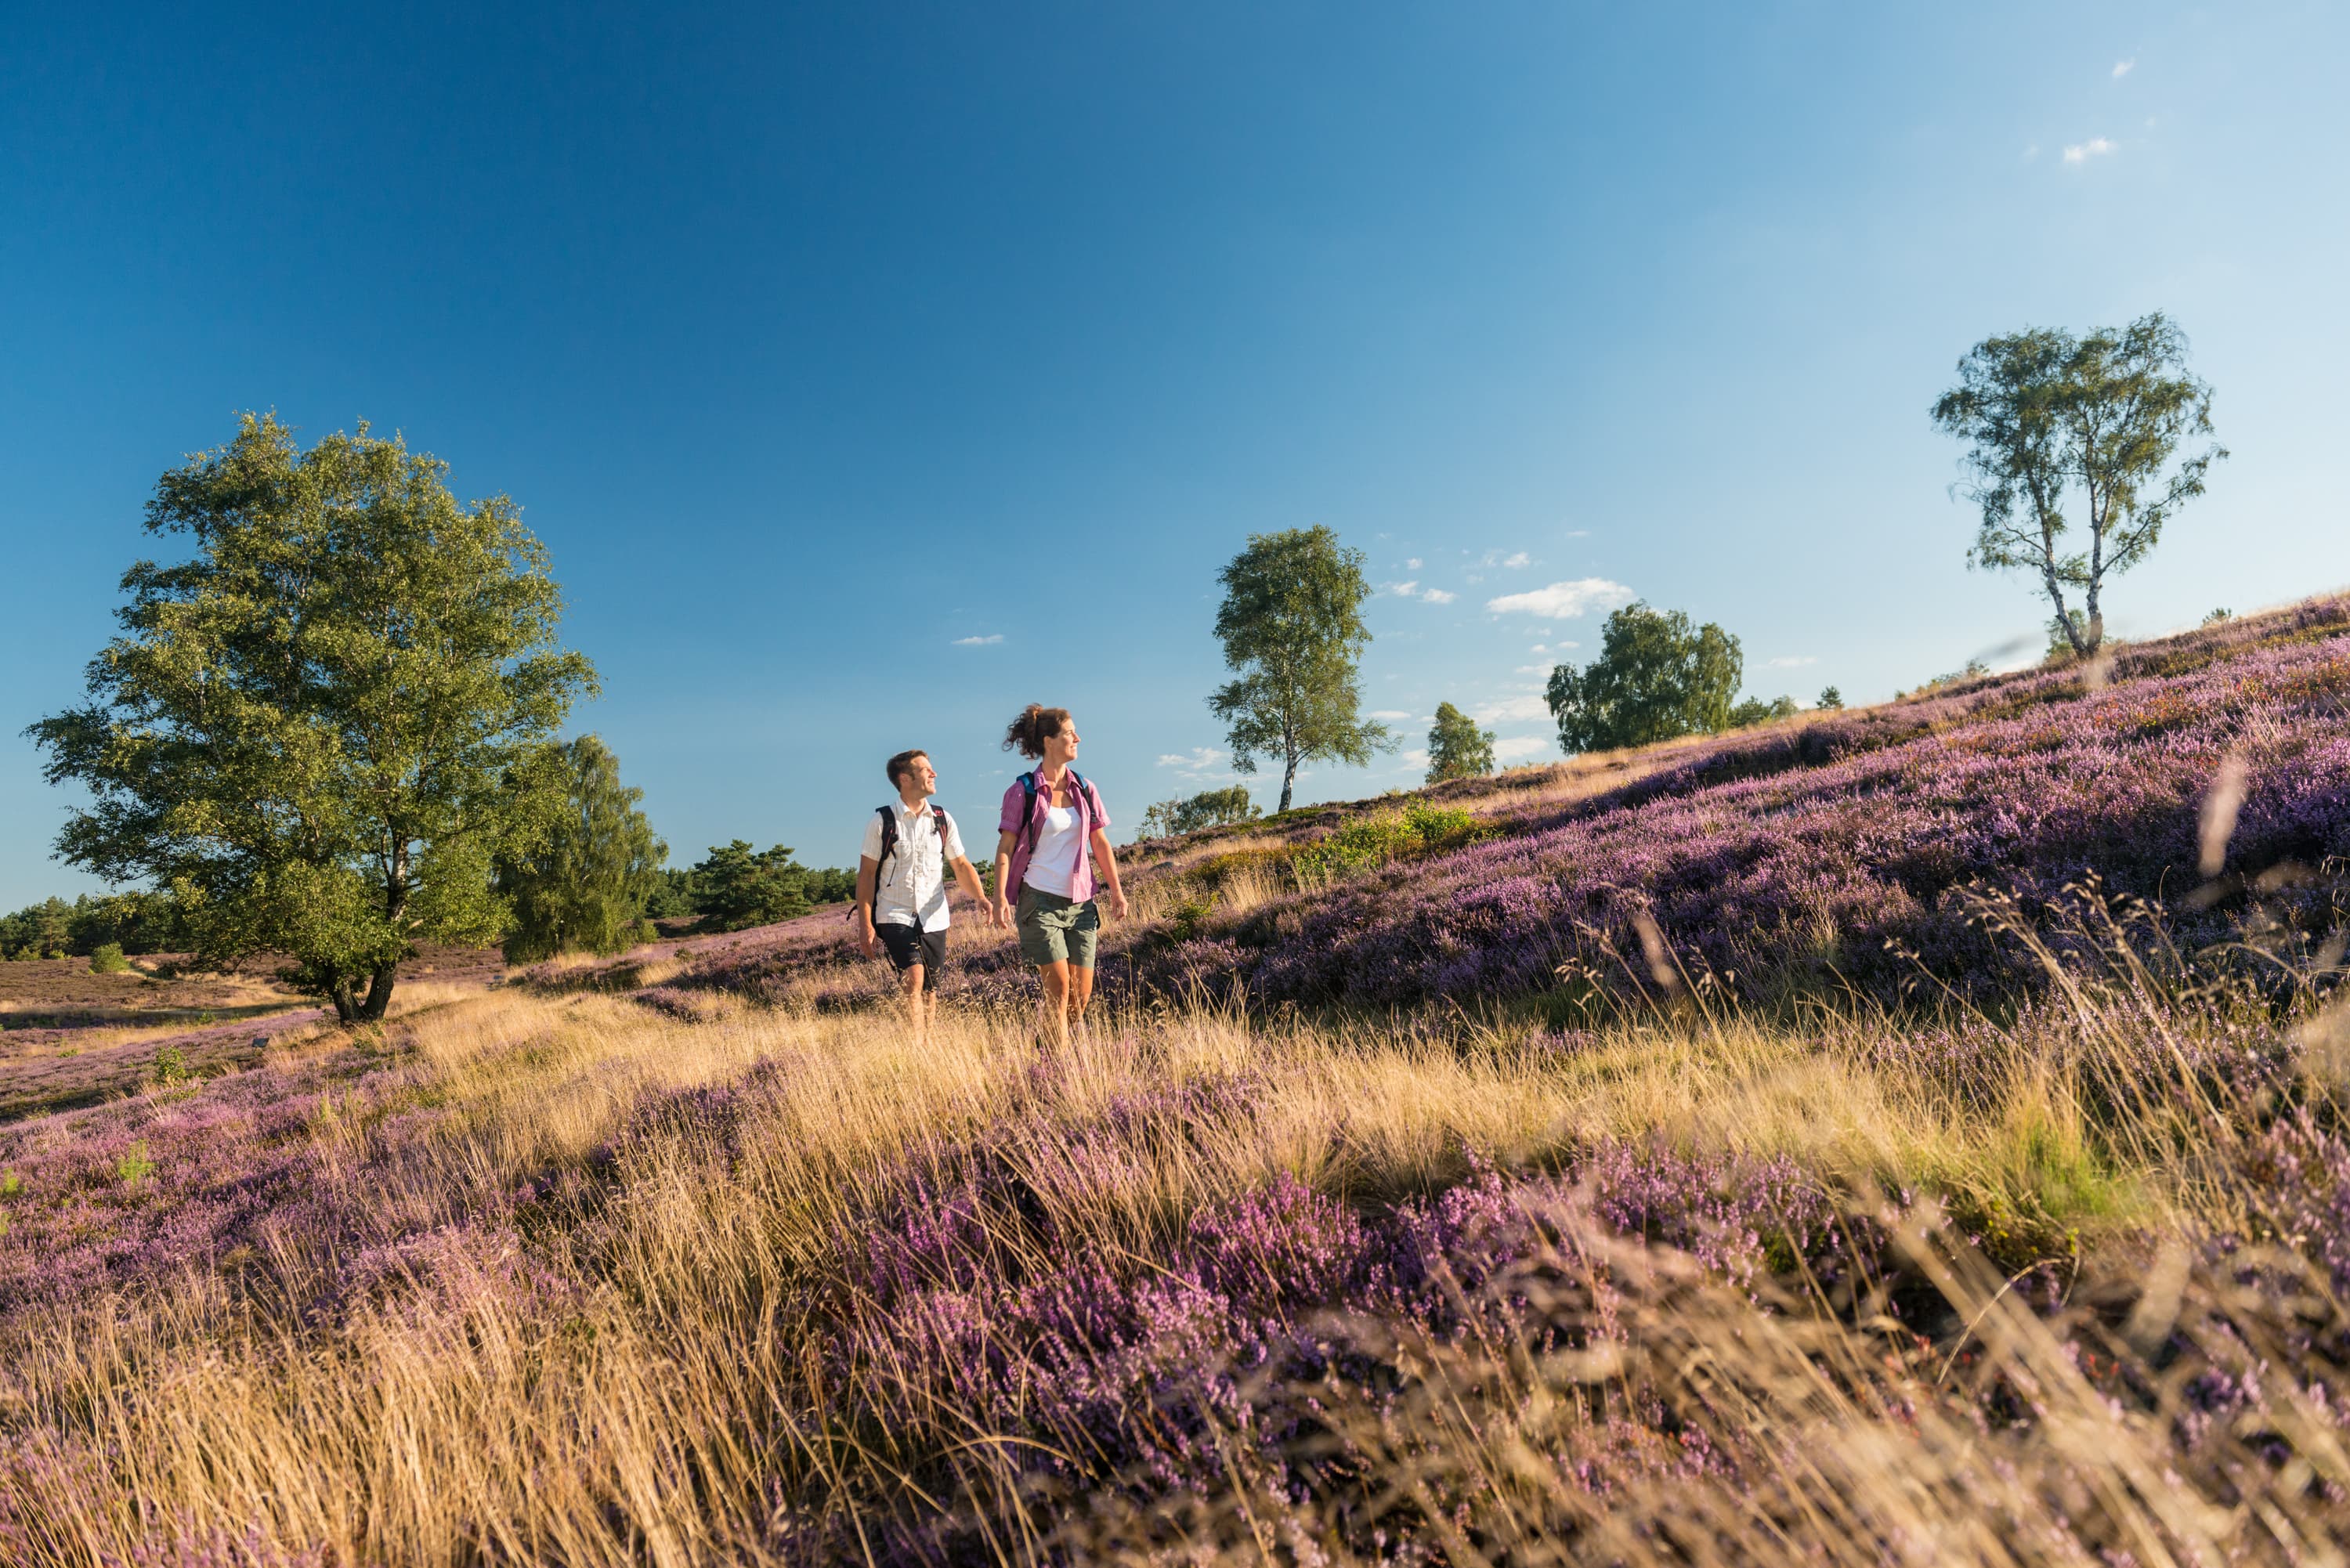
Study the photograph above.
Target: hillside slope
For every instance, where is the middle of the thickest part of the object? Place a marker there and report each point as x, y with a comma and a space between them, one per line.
1837, 853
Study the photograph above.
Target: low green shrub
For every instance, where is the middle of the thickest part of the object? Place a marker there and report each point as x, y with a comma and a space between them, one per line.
134, 1165
1371, 842
107, 959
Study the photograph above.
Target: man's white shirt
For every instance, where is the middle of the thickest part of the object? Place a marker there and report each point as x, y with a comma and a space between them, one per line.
911, 889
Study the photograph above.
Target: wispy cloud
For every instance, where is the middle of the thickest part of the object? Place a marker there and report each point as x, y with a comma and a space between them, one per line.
1560, 602
2096, 147
1390, 714
1517, 559
1413, 564
1510, 748
1791, 661
1437, 596
1531, 670
978, 641
1515, 709
2123, 69
1417, 757
1410, 589
1406, 589
1199, 763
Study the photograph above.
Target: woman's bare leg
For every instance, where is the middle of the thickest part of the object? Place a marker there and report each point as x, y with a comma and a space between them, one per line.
1081, 992
1055, 978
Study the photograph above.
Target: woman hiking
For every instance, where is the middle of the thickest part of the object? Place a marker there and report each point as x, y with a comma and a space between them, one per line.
1051, 818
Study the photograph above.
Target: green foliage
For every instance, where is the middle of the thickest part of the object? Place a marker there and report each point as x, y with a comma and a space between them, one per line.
675, 890
133, 1166
1657, 678
37, 931
1292, 625
583, 884
1457, 748
107, 959
740, 887
10, 1184
829, 886
136, 922
1370, 842
1754, 711
171, 1065
1209, 808
1189, 917
321, 728
2047, 416
2220, 616
1831, 699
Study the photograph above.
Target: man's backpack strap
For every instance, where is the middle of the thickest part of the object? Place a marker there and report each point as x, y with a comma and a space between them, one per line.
888, 848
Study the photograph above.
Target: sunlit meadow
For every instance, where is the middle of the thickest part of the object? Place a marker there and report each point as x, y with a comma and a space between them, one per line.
1912, 1135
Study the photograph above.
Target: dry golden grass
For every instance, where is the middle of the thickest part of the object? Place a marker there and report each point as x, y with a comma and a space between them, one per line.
651, 1412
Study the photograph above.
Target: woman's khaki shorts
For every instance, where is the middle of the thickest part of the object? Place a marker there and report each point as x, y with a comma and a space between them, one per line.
1054, 929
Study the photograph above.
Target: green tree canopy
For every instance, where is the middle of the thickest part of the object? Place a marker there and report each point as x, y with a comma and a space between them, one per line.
1657, 676
321, 728
1209, 808
1831, 699
1292, 625
583, 886
1457, 748
2048, 417
737, 887
1754, 711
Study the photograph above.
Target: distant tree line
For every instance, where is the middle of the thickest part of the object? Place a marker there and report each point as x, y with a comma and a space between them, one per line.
52, 929
1209, 808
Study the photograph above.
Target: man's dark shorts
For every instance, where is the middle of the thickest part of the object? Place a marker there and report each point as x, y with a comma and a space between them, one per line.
910, 945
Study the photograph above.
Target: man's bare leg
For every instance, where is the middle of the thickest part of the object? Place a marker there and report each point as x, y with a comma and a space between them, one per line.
917, 1006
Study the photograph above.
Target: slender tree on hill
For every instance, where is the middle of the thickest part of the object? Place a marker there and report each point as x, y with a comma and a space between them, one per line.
1457, 748
2048, 417
321, 730
1292, 625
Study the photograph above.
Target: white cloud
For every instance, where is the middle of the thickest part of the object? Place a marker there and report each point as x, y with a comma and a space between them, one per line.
1404, 590
1792, 663
1518, 559
1510, 748
1515, 709
1561, 600
978, 641
2122, 68
1577, 534
1412, 565
1542, 648
1439, 596
1197, 760
1417, 757
2096, 147
1531, 670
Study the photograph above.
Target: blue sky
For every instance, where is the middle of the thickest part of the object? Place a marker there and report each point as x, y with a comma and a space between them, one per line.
870, 371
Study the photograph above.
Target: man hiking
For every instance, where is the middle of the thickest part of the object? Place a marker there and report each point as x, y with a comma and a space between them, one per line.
901, 892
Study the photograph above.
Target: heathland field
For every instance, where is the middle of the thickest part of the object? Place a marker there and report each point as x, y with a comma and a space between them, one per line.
1912, 1135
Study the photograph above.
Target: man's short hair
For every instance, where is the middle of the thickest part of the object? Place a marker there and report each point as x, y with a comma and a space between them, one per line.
903, 763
